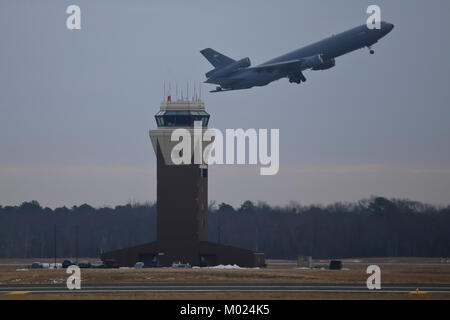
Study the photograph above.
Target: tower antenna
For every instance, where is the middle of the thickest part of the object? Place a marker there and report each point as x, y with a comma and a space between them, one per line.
195, 92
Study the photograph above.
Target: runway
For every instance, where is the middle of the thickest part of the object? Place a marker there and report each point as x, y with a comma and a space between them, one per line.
223, 287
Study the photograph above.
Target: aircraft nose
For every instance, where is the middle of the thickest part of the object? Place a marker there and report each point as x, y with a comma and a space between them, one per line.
388, 27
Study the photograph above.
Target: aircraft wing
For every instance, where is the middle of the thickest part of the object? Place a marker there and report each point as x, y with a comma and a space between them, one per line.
283, 66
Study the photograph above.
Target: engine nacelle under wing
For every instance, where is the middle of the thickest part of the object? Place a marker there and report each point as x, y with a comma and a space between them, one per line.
312, 62
330, 63
317, 62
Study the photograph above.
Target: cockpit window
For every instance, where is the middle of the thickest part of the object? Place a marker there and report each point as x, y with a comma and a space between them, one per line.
181, 118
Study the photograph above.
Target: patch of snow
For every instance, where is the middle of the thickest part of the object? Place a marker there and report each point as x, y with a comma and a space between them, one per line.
221, 266
228, 266
56, 281
21, 269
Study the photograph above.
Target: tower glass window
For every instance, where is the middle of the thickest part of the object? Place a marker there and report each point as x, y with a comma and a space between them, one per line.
181, 118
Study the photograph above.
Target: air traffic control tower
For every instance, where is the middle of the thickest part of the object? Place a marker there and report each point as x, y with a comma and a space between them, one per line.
182, 200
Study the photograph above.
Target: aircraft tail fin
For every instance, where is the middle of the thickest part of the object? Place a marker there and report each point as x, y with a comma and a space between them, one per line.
217, 59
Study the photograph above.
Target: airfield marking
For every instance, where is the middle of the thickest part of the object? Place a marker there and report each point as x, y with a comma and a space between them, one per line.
418, 292
17, 292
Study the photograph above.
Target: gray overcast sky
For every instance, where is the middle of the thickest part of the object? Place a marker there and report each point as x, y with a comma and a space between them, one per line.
76, 106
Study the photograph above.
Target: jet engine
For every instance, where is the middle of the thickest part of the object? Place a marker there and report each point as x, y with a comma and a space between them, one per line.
330, 63
312, 62
224, 71
317, 62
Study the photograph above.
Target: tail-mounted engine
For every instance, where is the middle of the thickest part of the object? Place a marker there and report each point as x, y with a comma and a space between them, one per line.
224, 71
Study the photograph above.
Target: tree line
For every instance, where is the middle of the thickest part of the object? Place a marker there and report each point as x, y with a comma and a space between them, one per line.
371, 227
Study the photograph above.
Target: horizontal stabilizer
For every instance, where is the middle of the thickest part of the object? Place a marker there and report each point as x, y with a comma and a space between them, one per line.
226, 82
223, 90
220, 90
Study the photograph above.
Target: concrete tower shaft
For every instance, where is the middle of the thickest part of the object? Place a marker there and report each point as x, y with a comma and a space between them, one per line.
182, 189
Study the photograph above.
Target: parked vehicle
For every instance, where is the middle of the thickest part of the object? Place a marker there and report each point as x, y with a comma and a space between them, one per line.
98, 265
36, 265
335, 265
139, 265
110, 263
180, 265
155, 263
67, 263
84, 264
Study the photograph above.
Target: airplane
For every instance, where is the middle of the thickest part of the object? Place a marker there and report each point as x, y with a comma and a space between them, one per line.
232, 74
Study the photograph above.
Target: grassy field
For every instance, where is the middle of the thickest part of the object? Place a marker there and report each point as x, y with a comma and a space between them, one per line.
409, 270
351, 274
